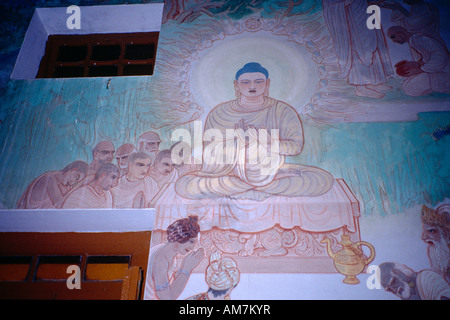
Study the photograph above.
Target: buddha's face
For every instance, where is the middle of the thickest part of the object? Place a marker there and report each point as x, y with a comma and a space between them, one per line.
252, 84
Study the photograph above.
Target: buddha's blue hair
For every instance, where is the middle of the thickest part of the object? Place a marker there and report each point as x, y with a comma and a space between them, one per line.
252, 67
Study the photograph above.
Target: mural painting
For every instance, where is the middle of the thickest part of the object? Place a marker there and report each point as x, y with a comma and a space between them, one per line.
298, 147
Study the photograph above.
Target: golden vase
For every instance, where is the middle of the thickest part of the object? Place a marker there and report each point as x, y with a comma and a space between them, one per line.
350, 261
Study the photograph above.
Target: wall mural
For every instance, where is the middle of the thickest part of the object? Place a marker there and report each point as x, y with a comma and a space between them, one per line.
274, 139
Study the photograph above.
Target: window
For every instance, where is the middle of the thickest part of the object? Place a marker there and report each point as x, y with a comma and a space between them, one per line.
99, 55
109, 24
106, 268
54, 267
112, 265
14, 268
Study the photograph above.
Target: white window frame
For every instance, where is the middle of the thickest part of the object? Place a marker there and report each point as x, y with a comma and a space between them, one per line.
94, 20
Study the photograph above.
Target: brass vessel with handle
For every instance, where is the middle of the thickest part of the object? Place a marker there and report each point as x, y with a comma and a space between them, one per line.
350, 261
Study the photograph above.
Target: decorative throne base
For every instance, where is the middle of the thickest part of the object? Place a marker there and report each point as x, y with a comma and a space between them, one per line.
280, 235
275, 250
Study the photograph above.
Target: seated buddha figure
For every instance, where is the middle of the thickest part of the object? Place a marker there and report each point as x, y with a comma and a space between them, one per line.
237, 176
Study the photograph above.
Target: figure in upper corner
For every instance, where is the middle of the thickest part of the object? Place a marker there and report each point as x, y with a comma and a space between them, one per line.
362, 53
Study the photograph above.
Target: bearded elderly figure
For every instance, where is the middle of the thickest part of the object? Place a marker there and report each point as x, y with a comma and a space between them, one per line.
237, 178
436, 234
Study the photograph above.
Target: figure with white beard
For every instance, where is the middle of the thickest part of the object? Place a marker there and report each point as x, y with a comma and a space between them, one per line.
149, 142
122, 155
436, 233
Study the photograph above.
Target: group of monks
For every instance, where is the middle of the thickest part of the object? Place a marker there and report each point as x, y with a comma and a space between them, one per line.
132, 182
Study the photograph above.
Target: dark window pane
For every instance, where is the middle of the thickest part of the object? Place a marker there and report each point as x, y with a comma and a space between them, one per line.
15, 259
105, 53
60, 259
55, 267
14, 268
139, 51
137, 69
108, 259
68, 72
72, 53
102, 71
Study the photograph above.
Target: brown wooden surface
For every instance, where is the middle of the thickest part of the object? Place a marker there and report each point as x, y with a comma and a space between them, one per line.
36, 244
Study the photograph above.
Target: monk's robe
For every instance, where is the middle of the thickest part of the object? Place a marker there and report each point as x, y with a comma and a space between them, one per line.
134, 194
37, 195
236, 177
162, 180
86, 197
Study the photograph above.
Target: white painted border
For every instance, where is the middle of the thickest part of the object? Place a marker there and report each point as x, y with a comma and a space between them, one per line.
94, 19
77, 220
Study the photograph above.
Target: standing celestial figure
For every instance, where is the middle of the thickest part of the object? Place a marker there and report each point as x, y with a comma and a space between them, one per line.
362, 52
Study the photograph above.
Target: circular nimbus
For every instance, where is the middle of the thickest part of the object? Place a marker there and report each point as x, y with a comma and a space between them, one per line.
292, 72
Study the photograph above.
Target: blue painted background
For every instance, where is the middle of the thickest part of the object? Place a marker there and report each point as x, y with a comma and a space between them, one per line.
47, 123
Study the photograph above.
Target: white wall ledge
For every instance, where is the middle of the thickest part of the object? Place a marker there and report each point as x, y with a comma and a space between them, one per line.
77, 220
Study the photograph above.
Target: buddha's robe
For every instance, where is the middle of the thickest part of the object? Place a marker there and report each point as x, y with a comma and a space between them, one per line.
237, 177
